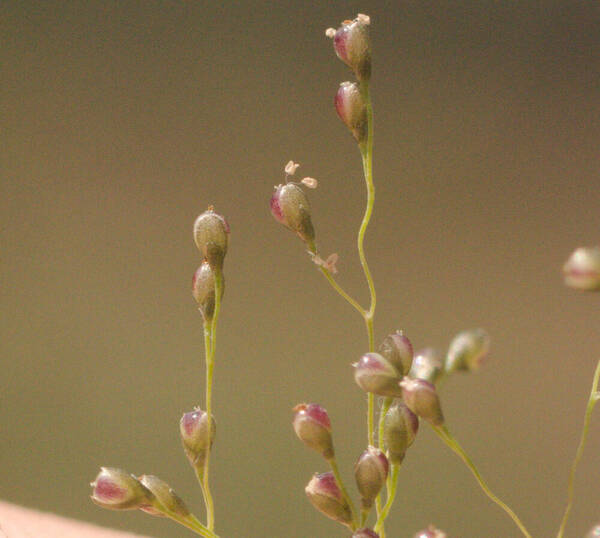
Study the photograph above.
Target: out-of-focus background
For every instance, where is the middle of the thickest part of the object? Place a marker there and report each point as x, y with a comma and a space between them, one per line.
122, 121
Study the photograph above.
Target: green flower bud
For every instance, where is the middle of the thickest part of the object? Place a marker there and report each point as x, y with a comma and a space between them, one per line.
118, 490
195, 436
203, 290
313, 427
427, 365
398, 350
325, 495
370, 472
400, 427
211, 234
290, 207
165, 496
467, 350
422, 399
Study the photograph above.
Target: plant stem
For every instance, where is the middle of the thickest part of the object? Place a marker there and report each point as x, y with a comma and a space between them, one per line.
393, 483
593, 399
338, 478
341, 291
452, 443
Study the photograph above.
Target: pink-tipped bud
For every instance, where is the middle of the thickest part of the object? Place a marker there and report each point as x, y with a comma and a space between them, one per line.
313, 427
351, 109
427, 365
195, 436
118, 490
370, 472
400, 427
430, 532
211, 234
422, 399
289, 206
467, 351
373, 373
365, 533
582, 269
352, 45
203, 290
594, 532
166, 500
397, 349
325, 495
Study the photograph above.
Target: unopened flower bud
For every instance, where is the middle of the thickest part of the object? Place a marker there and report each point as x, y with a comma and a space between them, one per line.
195, 436
373, 373
400, 427
398, 350
165, 496
289, 206
351, 109
325, 495
370, 472
582, 269
594, 532
118, 490
203, 290
427, 365
365, 533
313, 427
422, 399
211, 234
467, 350
353, 46
430, 532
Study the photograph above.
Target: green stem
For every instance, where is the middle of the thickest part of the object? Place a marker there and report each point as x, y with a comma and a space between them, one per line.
393, 483
446, 436
341, 291
593, 399
192, 523
338, 478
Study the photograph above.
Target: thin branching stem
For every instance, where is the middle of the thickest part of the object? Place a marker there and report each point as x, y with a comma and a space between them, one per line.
338, 478
445, 435
593, 399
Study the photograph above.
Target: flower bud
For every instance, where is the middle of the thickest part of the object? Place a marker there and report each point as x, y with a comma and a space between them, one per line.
400, 427
370, 472
211, 234
289, 206
352, 45
398, 350
365, 533
313, 427
427, 365
325, 495
165, 497
582, 269
594, 532
203, 290
195, 437
430, 532
375, 374
351, 109
422, 399
467, 350
117, 490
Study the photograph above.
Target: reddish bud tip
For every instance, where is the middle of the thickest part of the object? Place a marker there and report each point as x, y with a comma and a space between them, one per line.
373, 373
351, 109
467, 351
400, 427
370, 472
313, 427
422, 399
398, 350
195, 436
582, 269
289, 206
430, 532
211, 234
365, 533
117, 490
325, 495
352, 45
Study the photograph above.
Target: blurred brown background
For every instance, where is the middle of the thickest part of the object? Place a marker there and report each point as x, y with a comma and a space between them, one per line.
121, 121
